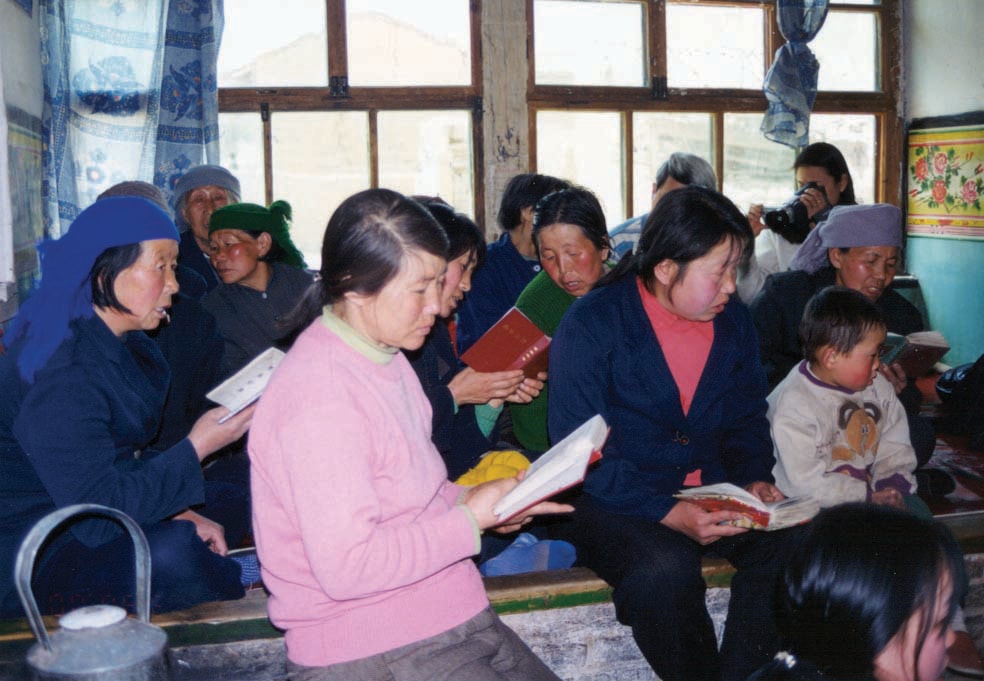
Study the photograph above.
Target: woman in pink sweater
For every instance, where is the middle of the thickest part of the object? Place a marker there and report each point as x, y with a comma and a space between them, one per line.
364, 543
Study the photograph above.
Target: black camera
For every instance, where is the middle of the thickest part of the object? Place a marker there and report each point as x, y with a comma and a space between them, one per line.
790, 220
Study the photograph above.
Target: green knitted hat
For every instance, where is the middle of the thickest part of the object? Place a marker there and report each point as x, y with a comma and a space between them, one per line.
251, 217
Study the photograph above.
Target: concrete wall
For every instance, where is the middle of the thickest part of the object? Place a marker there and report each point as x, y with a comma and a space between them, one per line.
943, 77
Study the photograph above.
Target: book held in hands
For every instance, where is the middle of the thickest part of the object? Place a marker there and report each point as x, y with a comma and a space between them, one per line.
561, 467
757, 514
245, 386
513, 342
915, 353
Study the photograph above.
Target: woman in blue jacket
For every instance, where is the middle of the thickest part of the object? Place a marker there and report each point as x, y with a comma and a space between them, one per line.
661, 350
84, 391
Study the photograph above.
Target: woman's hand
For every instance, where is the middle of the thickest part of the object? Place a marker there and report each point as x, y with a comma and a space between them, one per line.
529, 389
704, 527
895, 375
208, 435
481, 498
474, 387
207, 530
814, 200
888, 497
765, 491
755, 218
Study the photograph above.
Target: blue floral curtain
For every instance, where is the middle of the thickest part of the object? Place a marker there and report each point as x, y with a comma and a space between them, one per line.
791, 84
129, 94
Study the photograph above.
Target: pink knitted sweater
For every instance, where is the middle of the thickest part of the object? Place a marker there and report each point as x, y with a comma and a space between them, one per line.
362, 545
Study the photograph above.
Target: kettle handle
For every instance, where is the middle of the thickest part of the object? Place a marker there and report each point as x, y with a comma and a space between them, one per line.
24, 565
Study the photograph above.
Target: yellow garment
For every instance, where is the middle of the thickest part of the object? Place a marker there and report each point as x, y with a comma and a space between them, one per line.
494, 465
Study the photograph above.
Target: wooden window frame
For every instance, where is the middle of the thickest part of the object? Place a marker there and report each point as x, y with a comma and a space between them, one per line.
339, 96
884, 104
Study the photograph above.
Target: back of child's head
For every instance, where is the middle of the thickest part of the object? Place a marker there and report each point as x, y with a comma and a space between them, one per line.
861, 572
837, 317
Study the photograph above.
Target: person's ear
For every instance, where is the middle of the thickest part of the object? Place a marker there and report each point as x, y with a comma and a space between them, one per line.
666, 272
526, 216
842, 183
264, 242
836, 257
828, 357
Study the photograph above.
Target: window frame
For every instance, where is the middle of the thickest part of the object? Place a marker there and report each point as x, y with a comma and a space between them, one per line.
658, 97
339, 96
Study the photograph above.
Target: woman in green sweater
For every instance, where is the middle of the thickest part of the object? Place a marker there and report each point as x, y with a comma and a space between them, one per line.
571, 240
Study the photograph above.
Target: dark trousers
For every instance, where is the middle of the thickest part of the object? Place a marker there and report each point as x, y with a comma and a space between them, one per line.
658, 591
184, 572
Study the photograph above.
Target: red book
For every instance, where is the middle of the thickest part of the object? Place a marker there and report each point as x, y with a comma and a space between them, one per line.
757, 514
513, 342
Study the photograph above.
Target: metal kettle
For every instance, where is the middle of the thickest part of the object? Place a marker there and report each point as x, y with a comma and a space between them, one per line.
97, 642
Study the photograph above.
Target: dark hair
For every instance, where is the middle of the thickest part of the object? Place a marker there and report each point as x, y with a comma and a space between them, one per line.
574, 206
829, 157
525, 191
102, 276
686, 169
861, 571
464, 236
365, 242
837, 317
684, 226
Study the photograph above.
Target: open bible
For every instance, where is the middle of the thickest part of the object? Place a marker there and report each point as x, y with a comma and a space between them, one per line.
757, 514
246, 385
513, 342
561, 467
916, 353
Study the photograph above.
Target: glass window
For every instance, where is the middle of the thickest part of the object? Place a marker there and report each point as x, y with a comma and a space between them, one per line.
241, 142
846, 48
396, 42
586, 148
855, 136
319, 159
253, 55
655, 137
589, 43
714, 47
429, 153
756, 170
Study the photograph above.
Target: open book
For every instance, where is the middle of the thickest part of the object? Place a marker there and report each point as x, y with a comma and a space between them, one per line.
513, 342
758, 514
246, 385
561, 467
916, 353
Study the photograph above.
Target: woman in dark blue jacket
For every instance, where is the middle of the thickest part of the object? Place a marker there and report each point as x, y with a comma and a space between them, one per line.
670, 360
84, 391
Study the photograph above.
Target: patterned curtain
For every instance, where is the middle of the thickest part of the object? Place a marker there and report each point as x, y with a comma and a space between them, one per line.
791, 84
129, 94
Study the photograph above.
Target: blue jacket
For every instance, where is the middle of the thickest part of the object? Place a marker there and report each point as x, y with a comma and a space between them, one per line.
190, 255
605, 359
495, 287
73, 437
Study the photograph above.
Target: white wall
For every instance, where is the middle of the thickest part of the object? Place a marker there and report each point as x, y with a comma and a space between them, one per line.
944, 57
20, 42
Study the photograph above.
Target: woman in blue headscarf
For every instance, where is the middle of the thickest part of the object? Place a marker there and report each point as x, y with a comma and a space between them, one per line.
84, 391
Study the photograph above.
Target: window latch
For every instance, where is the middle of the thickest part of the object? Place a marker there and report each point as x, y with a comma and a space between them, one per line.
660, 91
338, 86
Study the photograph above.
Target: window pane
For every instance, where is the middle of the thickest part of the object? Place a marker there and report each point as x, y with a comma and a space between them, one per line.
756, 170
429, 153
585, 148
241, 142
855, 137
846, 48
589, 43
295, 53
319, 159
714, 47
656, 136
396, 42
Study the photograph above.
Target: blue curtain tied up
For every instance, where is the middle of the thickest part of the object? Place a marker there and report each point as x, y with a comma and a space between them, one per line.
129, 94
791, 84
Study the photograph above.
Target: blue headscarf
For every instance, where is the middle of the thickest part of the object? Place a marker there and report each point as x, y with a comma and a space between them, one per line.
872, 224
64, 292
